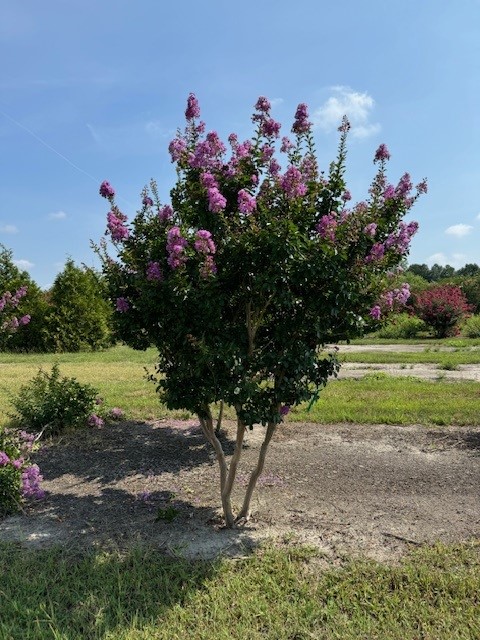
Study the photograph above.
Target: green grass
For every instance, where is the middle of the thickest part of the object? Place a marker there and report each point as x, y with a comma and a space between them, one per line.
441, 358
378, 398
119, 376
459, 342
274, 594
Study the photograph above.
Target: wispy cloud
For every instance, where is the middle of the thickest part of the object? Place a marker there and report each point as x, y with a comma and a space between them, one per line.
456, 260
57, 215
24, 264
459, 230
8, 228
356, 106
478, 216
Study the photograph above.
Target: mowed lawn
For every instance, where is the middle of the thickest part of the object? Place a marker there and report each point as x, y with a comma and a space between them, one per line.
120, 373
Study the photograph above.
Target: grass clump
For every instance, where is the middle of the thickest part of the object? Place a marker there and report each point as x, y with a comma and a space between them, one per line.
274, 594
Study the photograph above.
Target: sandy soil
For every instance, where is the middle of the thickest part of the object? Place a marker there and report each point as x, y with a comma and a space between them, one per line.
372, 490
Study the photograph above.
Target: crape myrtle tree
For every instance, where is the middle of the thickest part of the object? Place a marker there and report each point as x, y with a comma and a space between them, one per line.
250, 270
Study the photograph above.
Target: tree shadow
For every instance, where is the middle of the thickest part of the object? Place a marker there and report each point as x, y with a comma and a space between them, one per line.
463, 440
127, 448
93, 594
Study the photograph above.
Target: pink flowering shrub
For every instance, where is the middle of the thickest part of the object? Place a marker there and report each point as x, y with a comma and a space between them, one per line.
442, 308
19, 478
263, 260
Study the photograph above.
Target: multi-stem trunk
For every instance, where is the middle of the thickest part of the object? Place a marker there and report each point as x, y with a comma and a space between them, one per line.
228, 471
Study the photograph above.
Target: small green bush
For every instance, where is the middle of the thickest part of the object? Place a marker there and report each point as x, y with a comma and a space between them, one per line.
401, 326
471, 327
51, 403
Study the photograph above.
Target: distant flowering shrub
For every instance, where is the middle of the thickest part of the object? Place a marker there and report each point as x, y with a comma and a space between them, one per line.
263, 260
442, 308
19, 478
8, 303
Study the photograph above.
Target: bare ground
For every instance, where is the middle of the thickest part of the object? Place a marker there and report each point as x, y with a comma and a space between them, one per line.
347, 489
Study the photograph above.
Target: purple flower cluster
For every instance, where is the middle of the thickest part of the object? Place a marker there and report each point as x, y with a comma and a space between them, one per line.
193, 108
116, 225
284, 410
165, 213
404, 186
95, 420
400, 241
287, 145
12, 300
176, 244
400, 295
208, 153
116, 413
246, 202
106, 190
206, 246
292, 183
147, 201
376, 252
270, 128
122, 305
327, 226
216, 202
301, 123
154, 272
204, 243
263, 105
309, 167
31, 479
370, 229
177, 148
382, 153
376, 312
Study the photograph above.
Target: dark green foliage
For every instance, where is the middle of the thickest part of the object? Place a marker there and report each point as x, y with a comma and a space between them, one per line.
53, 403
33, 336
80, 316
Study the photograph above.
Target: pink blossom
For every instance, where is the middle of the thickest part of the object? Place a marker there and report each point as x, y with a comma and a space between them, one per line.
176, 244
31, 478
389, 192
208, 154
301, 123
24, 320
4, 459
287, 145
193, 108
95, 421
274, 167
404, 186
376, 312
267, 152
376, 253
116, 226
345, 126
106, 190
122, 305
327, 226
292, 183
177, 148
270, 128
147, 201
246, 202
263, 105
216, 202
165, 213
154, 272
370, 229
309, 167
382, 153
243, 149
208, 268
208, 180
204, 243
116, 413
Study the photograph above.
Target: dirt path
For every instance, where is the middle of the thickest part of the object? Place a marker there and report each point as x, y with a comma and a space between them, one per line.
374, 490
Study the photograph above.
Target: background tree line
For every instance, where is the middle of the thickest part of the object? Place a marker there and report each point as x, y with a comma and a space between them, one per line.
73, 315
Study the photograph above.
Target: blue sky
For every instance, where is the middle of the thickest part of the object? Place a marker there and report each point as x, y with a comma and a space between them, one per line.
96, 90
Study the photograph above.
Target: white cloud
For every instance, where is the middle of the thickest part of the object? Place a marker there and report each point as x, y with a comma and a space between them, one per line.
459, 230
276, 101
8, 228
346, 102
436, 258
57, 215
24, 264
